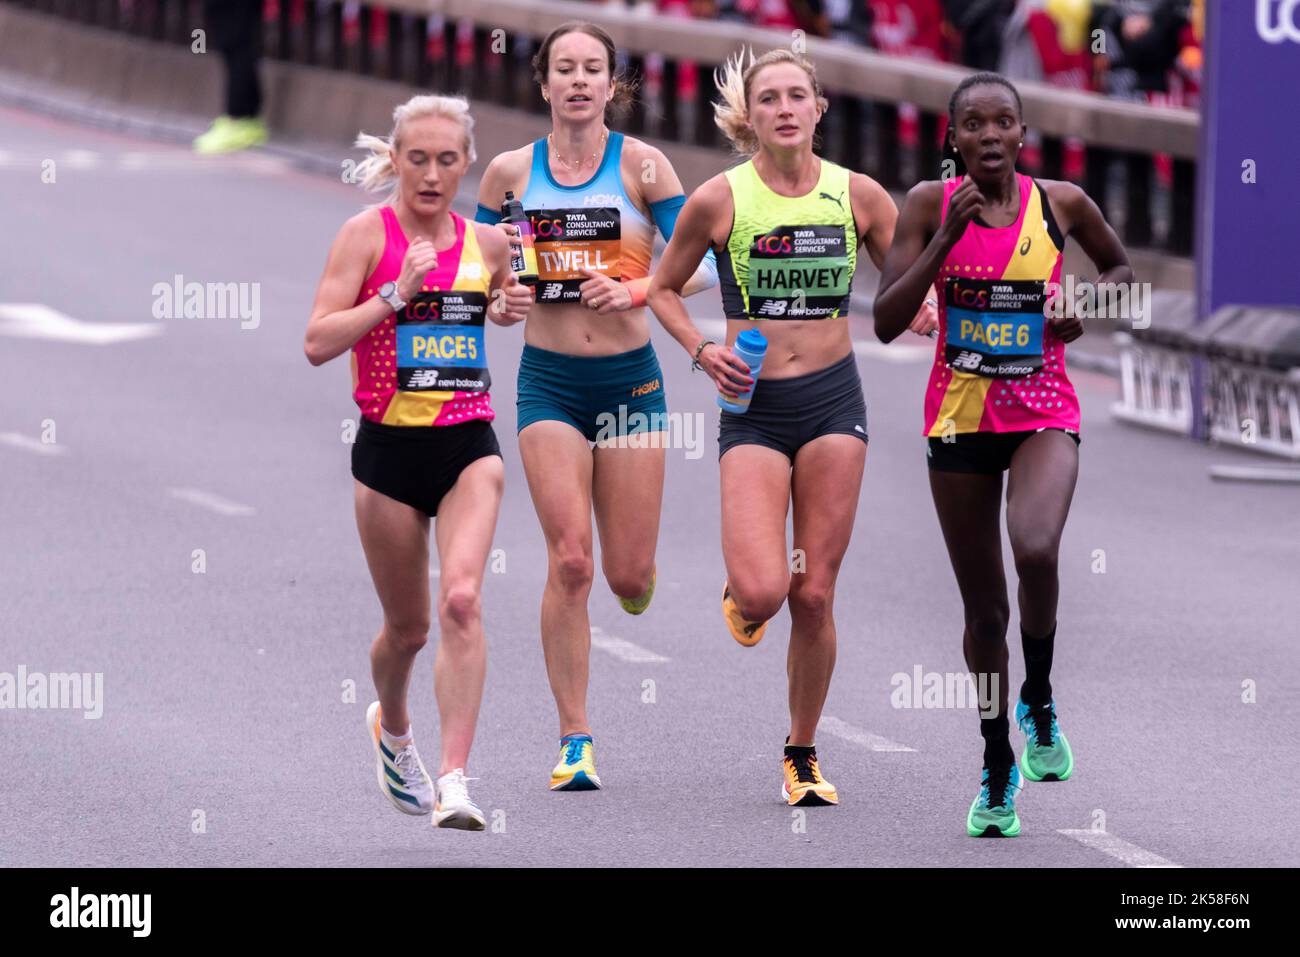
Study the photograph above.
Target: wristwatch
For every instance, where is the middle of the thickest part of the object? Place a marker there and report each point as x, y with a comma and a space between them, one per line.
388, 293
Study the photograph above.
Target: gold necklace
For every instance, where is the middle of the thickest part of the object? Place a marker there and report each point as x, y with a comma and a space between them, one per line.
600, 148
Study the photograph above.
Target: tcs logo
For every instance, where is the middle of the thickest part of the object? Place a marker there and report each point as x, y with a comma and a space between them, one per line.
548, 228
773, 244
423, 310
1279, 28
970, 298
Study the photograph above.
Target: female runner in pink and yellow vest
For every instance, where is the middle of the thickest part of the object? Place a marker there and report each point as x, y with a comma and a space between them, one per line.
407, 289
999, 400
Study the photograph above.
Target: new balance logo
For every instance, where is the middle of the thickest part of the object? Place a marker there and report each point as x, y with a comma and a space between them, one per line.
773, 307
423, 379
967, 360
550, 290
833, 199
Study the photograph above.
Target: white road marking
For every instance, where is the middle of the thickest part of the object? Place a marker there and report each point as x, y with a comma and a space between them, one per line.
77, 159
872, 742
151, 161
624, 649
29, 444
1122, 850
1254, 473
864, 348
34, 320
211, 502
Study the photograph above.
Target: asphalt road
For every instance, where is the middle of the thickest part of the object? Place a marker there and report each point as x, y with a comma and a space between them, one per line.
223, 692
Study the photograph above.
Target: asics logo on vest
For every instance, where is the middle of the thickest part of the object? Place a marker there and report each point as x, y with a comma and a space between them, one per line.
1279, 28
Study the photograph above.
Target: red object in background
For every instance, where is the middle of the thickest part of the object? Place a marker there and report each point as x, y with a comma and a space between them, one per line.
435, 47
351, 23
1070, 71
464, 42
911, 28
768, 13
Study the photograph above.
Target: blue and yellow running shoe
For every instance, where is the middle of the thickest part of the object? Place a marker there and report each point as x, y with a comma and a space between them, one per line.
993, 813
401, 774
577, 768
1047, 755
634, 606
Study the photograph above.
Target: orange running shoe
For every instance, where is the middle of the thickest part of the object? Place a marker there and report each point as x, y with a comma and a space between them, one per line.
748, 633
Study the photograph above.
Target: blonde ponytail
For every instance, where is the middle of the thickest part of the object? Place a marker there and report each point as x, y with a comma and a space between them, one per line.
731, 112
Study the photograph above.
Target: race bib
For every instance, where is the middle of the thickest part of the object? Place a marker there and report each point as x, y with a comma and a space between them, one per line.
568, 241
440, 343
798, 272
995, 326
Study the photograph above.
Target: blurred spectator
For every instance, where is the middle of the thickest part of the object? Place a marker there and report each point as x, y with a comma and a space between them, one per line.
1045, 40
858, 24
235, 28
1142, 44
807, 15
980, 24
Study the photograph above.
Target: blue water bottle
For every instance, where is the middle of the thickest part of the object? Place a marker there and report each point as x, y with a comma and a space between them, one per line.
750, 346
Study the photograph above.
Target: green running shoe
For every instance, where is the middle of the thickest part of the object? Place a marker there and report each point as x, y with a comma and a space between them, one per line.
634, 606
993, 813
230, 135
1047, 755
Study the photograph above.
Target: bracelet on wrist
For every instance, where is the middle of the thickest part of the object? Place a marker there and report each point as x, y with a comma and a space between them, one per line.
695, 362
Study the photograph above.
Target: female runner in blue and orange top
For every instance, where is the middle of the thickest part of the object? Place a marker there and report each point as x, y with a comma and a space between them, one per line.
588, 372
407, 288
999, 400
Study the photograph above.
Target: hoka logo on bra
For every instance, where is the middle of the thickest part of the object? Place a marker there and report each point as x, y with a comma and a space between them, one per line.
602, 199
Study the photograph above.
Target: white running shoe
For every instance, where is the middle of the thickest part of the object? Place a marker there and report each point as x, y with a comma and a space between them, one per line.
454, 808
401, 775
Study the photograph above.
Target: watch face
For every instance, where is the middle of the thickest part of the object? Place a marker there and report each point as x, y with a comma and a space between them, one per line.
387, 289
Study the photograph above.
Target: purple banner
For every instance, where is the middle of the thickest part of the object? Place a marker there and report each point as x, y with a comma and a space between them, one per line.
1248, 246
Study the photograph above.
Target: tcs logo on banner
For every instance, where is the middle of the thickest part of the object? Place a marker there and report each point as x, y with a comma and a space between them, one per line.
1277, 26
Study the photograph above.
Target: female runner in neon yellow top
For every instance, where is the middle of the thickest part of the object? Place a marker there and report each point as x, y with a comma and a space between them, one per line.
786, 226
